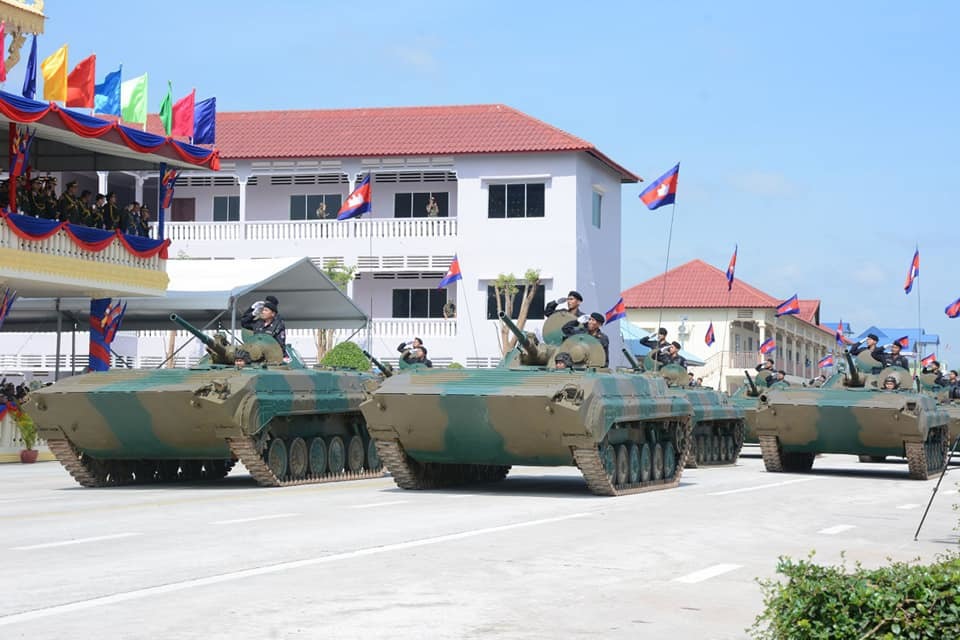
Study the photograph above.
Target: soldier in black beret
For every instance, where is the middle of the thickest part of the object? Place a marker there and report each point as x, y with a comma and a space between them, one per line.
590, 325
573, 301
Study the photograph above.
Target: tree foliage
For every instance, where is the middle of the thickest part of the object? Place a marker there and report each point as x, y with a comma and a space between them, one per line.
341, 276
346, 355
505, 288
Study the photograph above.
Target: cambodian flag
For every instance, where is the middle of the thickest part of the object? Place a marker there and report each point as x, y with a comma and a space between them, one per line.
731, 267
111, 330
3, 409
826, 361
6, 302
663, 190
167, 184
926, 362
709, 338
953, 309
913, 273
453, 274
789, 307
358, 202
768, 346
616, 312
903, 341
20, 151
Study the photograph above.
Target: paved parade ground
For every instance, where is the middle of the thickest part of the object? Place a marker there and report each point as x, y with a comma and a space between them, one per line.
533, 557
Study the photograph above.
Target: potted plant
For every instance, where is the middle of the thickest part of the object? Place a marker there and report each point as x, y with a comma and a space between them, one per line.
28, 431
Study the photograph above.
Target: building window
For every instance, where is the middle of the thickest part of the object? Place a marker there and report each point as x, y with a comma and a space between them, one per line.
736, 343
597, 206
536, 305
749, 343
419, 303
417, 205
226, 208
315, 207
515, 200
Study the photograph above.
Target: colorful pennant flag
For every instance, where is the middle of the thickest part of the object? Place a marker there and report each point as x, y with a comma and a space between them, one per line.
54, 71
166, 109
903, 341
167, 182
110, 331
3, 49
912, 273
826, 361
106, 95
358, 202
709, 338
768, 345
30, 77
81, 84
183, 116
453, 274
663, 190
133, 100
953, 309
3, 410
20, 151
205, 121
789, 307
617, 311
6, 303
929, 360
732, 267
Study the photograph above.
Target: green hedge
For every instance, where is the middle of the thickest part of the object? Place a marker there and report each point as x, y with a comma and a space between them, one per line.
348, 356
902, 600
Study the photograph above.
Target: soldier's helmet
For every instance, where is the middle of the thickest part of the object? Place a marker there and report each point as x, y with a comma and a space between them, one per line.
891, 380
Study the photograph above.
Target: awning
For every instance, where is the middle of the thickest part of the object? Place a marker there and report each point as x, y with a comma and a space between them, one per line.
201, 289
631, 335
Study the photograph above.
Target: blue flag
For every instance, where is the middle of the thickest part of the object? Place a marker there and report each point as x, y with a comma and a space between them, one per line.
205, 121
30, 78
106, 96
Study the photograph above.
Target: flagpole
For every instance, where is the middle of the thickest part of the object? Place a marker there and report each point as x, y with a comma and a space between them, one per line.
919, 323
466, 305
723, 340
666, 267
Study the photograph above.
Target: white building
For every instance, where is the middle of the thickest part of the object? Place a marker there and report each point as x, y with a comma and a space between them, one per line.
513, 193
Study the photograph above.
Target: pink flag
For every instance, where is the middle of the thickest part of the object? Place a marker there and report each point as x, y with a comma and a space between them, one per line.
183, 116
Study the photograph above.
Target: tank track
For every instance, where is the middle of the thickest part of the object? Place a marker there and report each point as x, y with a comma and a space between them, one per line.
594, 471
410, 474
714, 450
93, 472
777, 461
245, 449
927, 459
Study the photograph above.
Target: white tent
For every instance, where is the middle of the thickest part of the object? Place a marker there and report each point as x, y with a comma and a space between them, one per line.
204, 291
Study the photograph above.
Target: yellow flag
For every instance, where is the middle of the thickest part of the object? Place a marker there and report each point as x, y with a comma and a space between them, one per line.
54, 70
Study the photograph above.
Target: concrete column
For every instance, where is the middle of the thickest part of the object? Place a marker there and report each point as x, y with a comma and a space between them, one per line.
243, 198
138, 189
103, 182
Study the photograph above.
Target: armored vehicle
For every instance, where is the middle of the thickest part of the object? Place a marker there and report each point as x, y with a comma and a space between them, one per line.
287, 423
853, 415
946, 397
439, 427
718, 424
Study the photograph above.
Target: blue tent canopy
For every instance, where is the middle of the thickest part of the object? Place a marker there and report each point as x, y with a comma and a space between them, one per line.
631, 335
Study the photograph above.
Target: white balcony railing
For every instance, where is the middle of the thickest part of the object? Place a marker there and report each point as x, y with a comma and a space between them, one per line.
312, 230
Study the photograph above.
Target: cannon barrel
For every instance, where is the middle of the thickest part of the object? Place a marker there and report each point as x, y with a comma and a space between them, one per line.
753, 385
208, 342
633, 361
385, 368
854, 372
521, 336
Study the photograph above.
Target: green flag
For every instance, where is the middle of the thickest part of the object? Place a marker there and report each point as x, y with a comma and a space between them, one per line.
133, 100
166, 109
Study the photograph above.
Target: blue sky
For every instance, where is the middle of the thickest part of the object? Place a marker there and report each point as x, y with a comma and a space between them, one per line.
822, 138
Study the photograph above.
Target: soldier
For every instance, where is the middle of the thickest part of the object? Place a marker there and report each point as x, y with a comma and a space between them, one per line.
33, 201
68, 206
934, 368
768, 367
953, 382
563, 361
876, 351
655, 341
86, 208
891, 383
894, 359
781, 377
262, 317
590, 325
414, 354
47, 202
672, 355
143, 228
573, 301
111, 212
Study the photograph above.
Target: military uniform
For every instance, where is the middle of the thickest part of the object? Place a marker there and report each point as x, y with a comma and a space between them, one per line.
898, 360
276, 328
574, 327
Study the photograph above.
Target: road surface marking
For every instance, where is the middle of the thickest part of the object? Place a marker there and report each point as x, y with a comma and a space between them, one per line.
761, 486
48, 545
909, 506
244, 574
706, 574
258, 518
840, 528
371, 505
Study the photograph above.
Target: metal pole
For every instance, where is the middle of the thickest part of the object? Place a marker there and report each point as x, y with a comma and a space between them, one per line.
12, 187
73, 349
946, 464
56, 365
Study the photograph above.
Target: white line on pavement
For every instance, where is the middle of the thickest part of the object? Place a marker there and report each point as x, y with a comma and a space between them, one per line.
706, 574
840, 528
761, 486
909, 506
272, 517
378, 504
274, 568
48, 545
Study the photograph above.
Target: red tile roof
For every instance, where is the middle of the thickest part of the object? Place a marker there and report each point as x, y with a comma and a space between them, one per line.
392, 131
810, 311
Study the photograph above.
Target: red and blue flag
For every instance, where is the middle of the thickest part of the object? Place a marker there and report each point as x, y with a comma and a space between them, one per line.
3, 410
768, 345
111, 329
167, 182
826, 361
710, 338
453, 274
6, 303
903, 341
953, 309
616, 312
789, 307
663, 190
913, 273
358, 202
20, 151
731, 268
929, 360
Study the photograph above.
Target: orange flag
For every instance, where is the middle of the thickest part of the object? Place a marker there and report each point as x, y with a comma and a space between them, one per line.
81, 82
54, 70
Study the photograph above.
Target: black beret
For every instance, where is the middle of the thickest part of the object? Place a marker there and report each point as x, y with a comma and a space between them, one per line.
596, 315
272, 299
676, 344
270, 305
873, 337
661, 331
575, 294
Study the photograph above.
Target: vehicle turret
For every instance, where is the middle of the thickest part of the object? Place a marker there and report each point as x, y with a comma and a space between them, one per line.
256, 348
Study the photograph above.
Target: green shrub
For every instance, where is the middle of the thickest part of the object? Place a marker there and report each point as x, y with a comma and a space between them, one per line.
346, 355
28, 430
902, 600
454, 365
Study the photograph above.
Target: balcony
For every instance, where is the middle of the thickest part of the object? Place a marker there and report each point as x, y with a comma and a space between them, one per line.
58, 267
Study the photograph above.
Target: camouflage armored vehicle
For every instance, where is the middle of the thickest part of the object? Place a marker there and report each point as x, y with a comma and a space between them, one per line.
288, 424
927, 384
440, 427
853, 416
747, 398
718, 424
